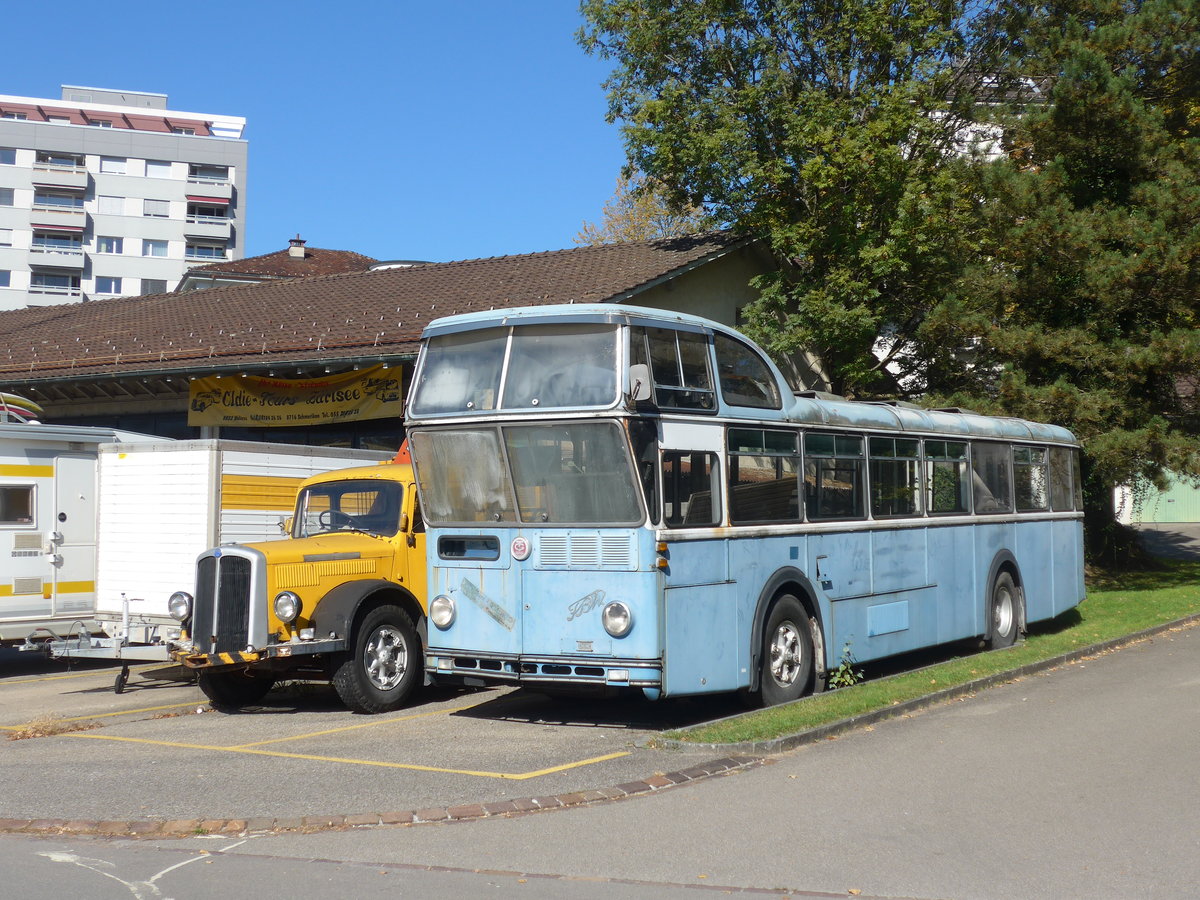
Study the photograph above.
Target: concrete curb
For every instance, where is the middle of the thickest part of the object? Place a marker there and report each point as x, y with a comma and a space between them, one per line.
824, 732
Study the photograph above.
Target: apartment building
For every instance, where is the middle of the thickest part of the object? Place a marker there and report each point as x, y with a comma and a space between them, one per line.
109, 193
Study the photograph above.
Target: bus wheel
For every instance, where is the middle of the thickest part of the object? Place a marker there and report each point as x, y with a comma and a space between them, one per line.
1004, 612
383, 665
233, 690
787, 654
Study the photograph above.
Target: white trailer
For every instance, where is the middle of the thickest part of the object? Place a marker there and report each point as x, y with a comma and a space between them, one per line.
159, 505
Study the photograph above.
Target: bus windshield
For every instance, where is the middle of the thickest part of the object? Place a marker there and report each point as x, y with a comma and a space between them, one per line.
544, 367
563, 474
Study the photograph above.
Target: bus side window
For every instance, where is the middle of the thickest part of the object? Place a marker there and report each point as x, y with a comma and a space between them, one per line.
1061, 497
745, 379
1030, 478
946, 481
895, 477
833, 476
687, 484
990, 477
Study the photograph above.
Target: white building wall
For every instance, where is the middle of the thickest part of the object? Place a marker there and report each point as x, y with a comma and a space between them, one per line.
114, 202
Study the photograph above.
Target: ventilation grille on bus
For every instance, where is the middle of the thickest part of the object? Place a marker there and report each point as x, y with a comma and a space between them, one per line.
27, 585
28, 541
615, 551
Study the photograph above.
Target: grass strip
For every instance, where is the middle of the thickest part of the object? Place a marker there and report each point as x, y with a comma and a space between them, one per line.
1116, 606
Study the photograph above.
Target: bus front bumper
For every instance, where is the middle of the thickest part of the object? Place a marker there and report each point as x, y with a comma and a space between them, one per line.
609, 672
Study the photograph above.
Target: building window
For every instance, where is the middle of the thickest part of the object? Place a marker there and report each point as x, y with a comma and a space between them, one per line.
14, 115
46, 159
8, 156
106, 284
53, 283
208, 174
100, 123
110, 245
112, 165
110, 206
57, 242
154, 248
59, 120
5, 277
158, 209
154, 286
57, 199
205, 251
157, 168
6, 196
5, 237
207, 213
182, 129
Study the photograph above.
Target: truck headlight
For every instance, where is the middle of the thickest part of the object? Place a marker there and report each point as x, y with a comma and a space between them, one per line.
179, 605
441, 611
287, 607
617, 619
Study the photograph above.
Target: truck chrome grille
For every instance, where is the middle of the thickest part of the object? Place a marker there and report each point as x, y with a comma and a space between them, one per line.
221, 617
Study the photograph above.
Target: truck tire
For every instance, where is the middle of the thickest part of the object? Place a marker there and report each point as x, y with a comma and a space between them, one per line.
384, 663
1004, 613
233, 690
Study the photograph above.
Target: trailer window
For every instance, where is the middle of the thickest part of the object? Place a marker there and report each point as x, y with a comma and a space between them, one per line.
16, 504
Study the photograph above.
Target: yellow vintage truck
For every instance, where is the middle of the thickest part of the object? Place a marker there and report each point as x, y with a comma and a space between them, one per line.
342, 599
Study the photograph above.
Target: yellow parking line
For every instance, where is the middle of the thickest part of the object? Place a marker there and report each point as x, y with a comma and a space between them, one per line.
372, 724
510, 776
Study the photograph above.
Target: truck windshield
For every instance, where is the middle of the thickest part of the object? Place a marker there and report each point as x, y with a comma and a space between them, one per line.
370, 506
560, 474
543, 366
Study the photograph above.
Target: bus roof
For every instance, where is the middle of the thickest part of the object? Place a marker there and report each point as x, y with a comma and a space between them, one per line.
803, 408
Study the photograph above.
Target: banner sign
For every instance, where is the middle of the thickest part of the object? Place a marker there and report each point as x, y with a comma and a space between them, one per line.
267, 402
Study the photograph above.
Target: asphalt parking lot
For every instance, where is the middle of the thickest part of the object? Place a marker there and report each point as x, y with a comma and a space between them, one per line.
158, 751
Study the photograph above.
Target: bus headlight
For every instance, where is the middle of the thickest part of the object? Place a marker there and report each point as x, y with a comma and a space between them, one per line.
617, 619
179, 605
441, 611
287, 607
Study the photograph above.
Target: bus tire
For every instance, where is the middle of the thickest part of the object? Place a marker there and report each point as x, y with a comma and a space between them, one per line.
233, 690
384, 663
1004, 613
786, 663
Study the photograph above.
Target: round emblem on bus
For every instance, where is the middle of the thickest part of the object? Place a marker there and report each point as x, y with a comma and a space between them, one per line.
521, 548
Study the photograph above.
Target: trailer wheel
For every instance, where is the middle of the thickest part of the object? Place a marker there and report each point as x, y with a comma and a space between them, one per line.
233, 690
384, 662
786, 662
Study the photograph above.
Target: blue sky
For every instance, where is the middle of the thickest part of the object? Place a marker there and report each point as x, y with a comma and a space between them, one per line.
402, 130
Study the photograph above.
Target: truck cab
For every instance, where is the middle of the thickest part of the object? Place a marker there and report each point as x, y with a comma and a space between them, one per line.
341, 599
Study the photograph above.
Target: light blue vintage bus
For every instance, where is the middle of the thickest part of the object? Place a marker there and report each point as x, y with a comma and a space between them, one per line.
626, 498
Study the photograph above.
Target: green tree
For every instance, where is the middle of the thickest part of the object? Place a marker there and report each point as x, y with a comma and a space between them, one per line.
638, 212
830, 128
1084, 305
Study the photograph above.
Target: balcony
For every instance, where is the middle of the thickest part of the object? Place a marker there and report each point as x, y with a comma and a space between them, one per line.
54, 175
56, 258
211, 227
220, 191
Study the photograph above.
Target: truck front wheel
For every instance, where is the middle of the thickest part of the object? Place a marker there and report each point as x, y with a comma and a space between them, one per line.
233, 690
384, 662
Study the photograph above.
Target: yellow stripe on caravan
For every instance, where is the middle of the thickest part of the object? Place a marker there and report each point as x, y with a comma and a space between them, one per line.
28, 471
65, 587
258, 492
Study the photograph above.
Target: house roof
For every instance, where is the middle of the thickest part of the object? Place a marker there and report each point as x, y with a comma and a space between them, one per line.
361, 315
281, 264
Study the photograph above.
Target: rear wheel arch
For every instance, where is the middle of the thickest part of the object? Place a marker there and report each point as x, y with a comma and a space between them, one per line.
1003, 563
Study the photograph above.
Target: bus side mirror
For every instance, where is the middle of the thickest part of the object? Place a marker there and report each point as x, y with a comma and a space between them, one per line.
639, 383
404, 522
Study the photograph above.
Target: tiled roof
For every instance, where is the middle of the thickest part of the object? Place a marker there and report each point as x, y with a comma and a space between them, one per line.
358, 315
281, 264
